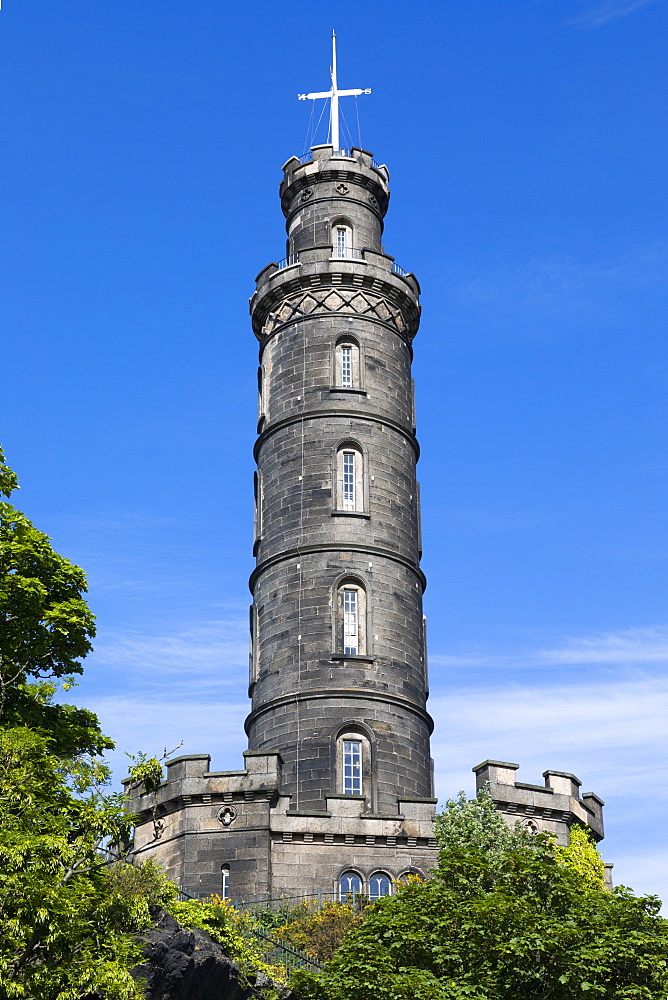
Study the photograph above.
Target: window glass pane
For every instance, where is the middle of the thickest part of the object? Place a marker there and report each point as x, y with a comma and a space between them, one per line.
349, 480
341, 242
352, 767
349, 883
346, 366
379, 885
225, 888
350, 615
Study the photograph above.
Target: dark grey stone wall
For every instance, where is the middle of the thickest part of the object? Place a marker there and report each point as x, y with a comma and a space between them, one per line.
303, 690
330, 190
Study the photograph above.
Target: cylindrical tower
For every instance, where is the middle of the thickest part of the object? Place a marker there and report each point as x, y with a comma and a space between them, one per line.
338, 674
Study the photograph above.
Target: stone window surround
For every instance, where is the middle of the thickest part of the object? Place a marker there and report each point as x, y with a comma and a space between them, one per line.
355, 730
361, 479
348, 340
365, 626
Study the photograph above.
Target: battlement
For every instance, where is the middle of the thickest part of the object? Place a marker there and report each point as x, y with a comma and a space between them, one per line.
552, 807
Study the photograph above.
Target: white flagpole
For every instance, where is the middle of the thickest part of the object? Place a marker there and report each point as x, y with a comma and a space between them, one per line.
335, 98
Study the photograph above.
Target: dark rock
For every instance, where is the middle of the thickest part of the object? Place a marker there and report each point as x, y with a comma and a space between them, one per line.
182, 963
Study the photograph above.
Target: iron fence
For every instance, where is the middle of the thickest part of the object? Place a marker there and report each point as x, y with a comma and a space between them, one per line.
278, 952
288, 261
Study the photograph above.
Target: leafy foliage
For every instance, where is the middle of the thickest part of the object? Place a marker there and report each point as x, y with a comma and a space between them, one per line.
319, 931
45, 631
582, 857
65, 931
147, 885
505, 915
476, 825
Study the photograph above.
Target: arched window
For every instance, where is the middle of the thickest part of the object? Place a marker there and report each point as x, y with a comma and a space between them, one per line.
257, 496
354, 770
349, 478
260, 398
342, 239
252, 652
351, 619
347, 364
380, 885
350, 884
225, 882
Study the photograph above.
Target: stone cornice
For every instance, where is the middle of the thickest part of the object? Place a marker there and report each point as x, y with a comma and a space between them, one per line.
309, 283
297, 552
326, 413
354, 694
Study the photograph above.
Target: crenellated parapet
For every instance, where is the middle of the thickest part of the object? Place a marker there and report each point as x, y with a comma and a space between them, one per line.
551, 808
217, 831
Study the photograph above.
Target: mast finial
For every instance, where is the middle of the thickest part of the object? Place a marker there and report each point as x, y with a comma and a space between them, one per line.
334, 94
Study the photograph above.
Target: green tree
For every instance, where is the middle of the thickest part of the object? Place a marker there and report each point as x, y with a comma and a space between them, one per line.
476, 825
501, 919
46, 629
65, 930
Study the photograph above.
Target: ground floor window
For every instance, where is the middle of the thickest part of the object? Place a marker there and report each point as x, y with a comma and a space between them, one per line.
380, 884
350, 884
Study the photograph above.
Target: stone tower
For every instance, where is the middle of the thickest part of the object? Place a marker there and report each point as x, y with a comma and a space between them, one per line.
337, 789
338, 640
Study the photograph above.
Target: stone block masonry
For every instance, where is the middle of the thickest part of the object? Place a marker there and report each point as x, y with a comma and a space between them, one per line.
338, 776
337, 787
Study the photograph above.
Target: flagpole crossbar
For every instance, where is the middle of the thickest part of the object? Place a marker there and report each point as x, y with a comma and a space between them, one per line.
333, 96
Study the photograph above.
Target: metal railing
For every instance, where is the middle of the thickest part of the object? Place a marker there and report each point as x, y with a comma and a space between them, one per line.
278, 952
398, 270
288, 261
355, 899
347, 253
307, 157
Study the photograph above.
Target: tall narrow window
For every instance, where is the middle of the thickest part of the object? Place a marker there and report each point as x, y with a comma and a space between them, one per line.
346, 366
350, 622
350, 485
380, 885
349, 480
225, 882
352, 767
342, 246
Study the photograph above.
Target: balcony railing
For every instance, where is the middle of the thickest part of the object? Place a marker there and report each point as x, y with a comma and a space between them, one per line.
346, 253
339, 253
293, 258
307, 157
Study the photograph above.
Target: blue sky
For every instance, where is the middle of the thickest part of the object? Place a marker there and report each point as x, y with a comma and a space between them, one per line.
143, 142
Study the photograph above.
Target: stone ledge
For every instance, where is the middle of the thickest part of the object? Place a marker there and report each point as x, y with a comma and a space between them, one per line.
350, 513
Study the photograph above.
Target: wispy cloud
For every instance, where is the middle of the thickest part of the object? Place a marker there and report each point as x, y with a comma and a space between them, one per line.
635, 645
612, 735
561, 286
205, 725
212, 654
603, 13
630, 647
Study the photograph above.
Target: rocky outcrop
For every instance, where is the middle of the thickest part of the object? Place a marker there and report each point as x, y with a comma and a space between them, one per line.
182, 963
